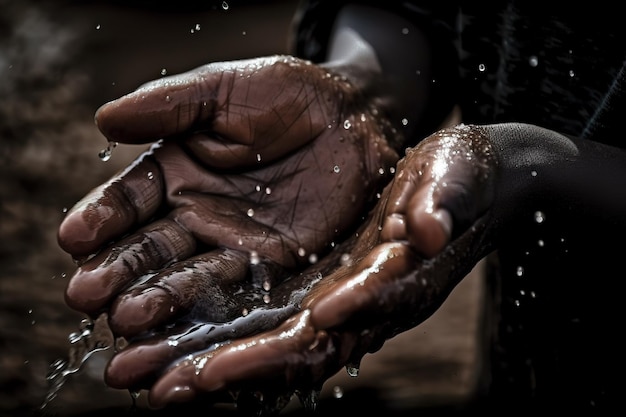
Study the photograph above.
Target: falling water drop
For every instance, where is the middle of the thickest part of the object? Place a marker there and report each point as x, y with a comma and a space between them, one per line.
105, 154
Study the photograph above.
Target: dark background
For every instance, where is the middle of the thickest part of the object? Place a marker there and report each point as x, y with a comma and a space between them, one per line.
60, 60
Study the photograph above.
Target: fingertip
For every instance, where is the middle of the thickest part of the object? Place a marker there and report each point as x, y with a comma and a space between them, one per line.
137, 311
176, 386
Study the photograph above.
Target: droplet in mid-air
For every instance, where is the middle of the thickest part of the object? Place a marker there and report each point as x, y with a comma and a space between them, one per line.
105, 154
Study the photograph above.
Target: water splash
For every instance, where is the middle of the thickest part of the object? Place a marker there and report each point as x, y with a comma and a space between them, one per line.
91, 337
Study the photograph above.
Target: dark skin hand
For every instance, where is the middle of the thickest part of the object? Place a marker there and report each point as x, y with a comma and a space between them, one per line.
381, 271
455, 197
263, 165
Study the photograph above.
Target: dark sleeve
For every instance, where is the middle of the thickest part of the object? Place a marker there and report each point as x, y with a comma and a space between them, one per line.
313, 24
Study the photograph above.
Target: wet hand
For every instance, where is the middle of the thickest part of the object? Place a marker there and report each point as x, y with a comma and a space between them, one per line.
269, 159
426, 233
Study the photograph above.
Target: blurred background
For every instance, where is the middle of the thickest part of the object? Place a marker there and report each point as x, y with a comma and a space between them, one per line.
59, 61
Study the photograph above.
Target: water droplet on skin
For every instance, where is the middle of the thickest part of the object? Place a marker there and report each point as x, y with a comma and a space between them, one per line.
168, 99
150, 175
352, 370
336, 169
301, 252
347, 124
250, 212
268, 190
266, 298
312, 258
346, 259
258, 157
337, 391
244, 312
163, 71
255, 259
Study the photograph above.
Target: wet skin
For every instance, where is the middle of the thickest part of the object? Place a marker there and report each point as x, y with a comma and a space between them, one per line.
273, 157
226, 240
373, 286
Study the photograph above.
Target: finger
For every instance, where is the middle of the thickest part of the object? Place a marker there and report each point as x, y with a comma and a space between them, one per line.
242, 101
100, 278
367, 290
202, 288
276, 358
138, 365
112, 209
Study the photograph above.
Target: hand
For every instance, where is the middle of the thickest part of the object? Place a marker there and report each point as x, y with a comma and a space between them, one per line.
343, 306
268, 161
448, 206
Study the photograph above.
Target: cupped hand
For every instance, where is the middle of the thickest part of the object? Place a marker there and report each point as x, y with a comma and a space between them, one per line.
427, 231
257, 168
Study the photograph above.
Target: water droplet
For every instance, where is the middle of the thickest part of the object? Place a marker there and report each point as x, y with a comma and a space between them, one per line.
482, 67
301, 252
163, 71
312, 258
250, 212
168, 99
268, 190
346, 259
352, 370
267, 285
540, 242
405, 121
150, 175
347, 124
572, 74
255, 259
244, 33
336, 169
337, 391
244, 312
520, 271
533, 61
258, 157
197, 27
105, 154
225, 5
533, 173
266, 298
98, 27
539, 217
